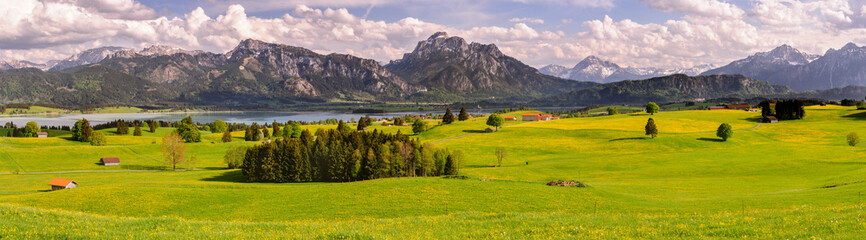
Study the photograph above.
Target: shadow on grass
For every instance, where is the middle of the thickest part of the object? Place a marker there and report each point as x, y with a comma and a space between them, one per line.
473, 131
480, 166
857, 116
753, 119
141, 167
229, 176
711, 139
631, 138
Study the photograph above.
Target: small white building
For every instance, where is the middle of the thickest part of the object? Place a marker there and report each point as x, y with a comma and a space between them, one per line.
110, 161
42, 134
59, 183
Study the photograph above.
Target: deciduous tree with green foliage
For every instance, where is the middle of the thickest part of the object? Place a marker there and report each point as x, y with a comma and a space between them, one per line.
651, 129
725, 131
495, 120
98, 139
463, 116
82, 131
448, 118
188, 131
218, 126
31, 129
652, 108
419, 126
612, 111
234, 157
853, 139
265, 133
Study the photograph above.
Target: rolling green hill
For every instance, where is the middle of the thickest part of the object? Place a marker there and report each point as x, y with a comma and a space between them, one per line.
787, 180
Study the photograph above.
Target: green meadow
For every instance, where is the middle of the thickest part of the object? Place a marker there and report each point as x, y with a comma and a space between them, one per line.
788, 180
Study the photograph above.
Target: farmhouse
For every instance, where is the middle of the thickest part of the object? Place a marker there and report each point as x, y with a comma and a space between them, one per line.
744, 107
536, 117
42, 134
770, 119
716, 108
510, 118
110, 161
59, 183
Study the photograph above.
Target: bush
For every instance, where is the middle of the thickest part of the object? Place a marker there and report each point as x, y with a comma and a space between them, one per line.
853, 139
861, 105
98, 139
234, 157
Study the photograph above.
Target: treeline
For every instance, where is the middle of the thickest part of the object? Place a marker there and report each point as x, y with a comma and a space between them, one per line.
343, 156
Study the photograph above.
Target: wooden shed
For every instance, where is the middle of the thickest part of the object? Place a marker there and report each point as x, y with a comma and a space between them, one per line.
59, 184
110, 161
770, 119
42, 134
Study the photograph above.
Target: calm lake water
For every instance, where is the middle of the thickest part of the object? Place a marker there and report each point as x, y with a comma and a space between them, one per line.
235, 117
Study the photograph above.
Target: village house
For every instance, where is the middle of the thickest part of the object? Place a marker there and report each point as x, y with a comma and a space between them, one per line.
59, 184
716, 108
510, 118
110, 161
42, 134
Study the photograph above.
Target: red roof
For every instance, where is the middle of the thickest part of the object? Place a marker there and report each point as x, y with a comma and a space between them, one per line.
510, 117
111, 160
530, 114
739, 106
545, 115
42, 133
61, 182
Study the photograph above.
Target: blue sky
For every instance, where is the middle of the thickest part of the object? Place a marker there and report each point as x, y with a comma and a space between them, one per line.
639, 33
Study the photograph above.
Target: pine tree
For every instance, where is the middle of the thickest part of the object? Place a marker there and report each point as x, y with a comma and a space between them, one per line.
651, 128
449, 117
277, 131
341, 126
137, 131
227, 136
463, 116
247, 134
152, 126
265, 133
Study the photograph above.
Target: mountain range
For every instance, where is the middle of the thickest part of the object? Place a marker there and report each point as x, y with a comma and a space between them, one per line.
595, 69
441, 68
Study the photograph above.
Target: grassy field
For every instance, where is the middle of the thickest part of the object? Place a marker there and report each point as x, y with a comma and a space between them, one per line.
788, 180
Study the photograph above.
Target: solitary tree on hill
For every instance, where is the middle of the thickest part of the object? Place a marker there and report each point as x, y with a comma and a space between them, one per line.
449, 117
463, 116
652, 108
152, 126
611, 111
173, 150
725, 131
651, 128
495, 120
501, 154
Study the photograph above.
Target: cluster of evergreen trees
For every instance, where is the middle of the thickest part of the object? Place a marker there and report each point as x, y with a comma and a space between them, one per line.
784, 110
122, 127
343, 156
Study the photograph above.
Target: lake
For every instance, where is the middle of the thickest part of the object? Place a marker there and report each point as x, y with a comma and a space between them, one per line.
202, 117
